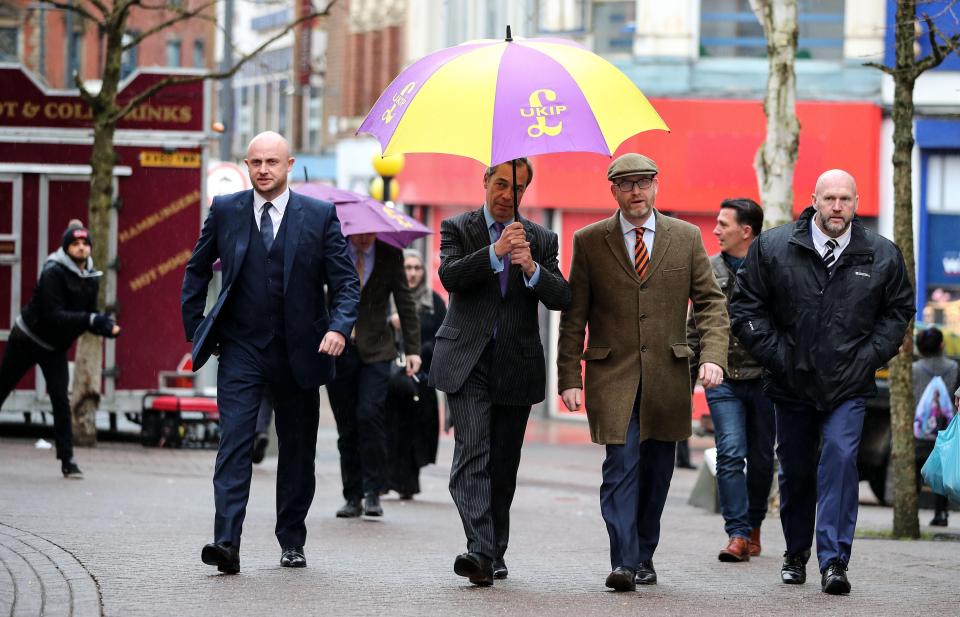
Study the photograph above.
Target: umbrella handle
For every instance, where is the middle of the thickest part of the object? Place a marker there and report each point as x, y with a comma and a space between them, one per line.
513, 163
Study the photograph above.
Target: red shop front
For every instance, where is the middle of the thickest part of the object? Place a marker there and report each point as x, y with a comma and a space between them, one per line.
705, 158
45, 144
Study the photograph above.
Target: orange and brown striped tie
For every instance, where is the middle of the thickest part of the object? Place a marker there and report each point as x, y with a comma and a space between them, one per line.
641, 259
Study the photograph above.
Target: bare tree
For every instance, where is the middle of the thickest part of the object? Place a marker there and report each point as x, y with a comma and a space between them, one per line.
110, 19
907, 68
777, 156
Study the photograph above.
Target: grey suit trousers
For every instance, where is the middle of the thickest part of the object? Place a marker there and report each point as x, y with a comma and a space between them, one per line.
486, 456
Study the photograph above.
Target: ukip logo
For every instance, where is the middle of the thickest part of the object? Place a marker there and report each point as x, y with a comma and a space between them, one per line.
542, 113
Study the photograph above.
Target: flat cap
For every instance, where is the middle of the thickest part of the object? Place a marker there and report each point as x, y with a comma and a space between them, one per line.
630, 164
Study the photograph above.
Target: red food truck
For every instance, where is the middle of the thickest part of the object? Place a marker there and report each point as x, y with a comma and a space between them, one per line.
159, 178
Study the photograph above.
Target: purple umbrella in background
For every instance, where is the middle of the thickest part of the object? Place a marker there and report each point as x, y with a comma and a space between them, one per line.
360, 214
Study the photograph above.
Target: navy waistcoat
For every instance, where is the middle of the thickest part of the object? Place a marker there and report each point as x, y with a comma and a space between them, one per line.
254, 313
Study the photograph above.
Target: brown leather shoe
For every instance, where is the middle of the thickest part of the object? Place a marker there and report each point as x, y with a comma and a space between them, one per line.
754, 541
738, 549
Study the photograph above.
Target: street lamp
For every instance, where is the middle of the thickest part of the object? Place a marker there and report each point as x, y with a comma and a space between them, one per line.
388, 167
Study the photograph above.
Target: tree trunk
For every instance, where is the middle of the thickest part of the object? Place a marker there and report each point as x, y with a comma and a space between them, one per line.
88, 369
905, 519
777, 156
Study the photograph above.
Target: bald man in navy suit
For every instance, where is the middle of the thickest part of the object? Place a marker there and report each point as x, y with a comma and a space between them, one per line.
273, 331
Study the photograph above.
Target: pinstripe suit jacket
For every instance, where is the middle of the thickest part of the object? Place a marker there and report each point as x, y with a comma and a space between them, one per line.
518, 375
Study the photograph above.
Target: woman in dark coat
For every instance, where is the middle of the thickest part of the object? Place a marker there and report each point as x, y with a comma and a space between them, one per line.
413, 424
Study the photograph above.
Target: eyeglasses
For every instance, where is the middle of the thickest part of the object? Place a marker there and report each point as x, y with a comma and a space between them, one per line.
628, 185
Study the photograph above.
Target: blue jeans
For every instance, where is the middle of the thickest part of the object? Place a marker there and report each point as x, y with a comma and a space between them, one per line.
744, 425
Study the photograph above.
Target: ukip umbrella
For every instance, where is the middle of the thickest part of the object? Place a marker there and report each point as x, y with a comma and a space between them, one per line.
360, 214
496, 101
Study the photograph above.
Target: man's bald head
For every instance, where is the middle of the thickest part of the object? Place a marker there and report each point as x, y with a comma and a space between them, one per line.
268, 162
834, 176
835, 199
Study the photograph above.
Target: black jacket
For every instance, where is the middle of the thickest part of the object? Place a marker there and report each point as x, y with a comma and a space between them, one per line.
61, 305
820, 338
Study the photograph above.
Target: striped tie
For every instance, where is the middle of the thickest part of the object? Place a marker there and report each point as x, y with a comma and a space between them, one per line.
829, 259
641, 259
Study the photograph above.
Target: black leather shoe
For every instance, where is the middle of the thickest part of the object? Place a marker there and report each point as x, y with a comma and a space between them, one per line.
834, 579
293, 557
70, 470
350, 509
646, 575
939, 519
622, 579
260, 443
476, 567
794, 568
371, 505
225, 556
500, 569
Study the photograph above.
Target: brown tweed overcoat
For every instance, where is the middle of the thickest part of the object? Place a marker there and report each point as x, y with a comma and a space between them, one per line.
637, 328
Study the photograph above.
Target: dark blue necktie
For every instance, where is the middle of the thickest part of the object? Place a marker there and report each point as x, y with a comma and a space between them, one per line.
505, 273
266, 226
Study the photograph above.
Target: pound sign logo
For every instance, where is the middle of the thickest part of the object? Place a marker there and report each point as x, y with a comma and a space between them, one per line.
541, 112
398, 99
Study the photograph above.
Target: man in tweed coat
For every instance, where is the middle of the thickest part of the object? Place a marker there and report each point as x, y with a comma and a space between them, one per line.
631, 278
488, 357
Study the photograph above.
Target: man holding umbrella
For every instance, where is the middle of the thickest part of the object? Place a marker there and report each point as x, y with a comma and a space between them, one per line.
488, 357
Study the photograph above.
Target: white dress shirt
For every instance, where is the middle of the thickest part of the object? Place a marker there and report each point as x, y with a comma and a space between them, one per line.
820, 239
630, 236
276, 212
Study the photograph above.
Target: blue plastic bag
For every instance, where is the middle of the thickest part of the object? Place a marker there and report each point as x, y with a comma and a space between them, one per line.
942, 469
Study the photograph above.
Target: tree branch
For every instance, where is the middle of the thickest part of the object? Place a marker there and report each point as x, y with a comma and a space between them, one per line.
181, 16
63, 6
85, 94
938, 53
883, 67
173, 81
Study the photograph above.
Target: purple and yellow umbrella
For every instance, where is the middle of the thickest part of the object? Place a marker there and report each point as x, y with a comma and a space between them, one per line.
495, 101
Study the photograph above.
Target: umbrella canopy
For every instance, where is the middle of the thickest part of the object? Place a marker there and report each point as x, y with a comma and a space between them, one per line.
360, 214
495, 101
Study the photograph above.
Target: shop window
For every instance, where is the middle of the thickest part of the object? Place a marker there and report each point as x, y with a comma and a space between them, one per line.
729, 29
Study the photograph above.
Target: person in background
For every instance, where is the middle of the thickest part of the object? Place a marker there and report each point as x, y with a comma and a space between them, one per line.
358, 392
932, 363
742, 414
413, 420
63, 306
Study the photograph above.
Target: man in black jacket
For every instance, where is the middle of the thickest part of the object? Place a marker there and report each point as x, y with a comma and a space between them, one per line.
822, 304
62, 307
